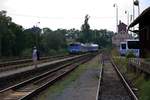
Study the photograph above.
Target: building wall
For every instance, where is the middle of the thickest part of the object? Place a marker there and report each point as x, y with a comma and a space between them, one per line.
122, 27
144, 36
120, 37
144, 32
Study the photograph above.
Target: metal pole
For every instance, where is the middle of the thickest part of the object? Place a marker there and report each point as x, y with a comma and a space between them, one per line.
115, 5
139, 9
128, 19
117, 18
133, 17
133, 10
136, 3
37, 44
126, 12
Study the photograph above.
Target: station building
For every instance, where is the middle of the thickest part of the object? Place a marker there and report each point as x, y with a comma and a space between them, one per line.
143, 32
121, 35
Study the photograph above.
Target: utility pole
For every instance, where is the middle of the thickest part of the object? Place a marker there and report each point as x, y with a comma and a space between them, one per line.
36, 28
127, 12
133, 10
136, 3
115, 5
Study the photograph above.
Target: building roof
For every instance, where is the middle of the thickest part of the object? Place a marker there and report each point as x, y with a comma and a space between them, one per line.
140, 17
121, 23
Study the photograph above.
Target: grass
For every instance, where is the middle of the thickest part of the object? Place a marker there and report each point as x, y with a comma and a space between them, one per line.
69, 79
122, 63
145, 90
115, 52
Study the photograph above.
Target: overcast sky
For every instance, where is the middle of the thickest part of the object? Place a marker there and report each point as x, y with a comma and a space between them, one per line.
69, 13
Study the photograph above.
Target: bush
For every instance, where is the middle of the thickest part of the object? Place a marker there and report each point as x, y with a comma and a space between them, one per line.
115, 52
52, 52
130, 55
27, 52
62, 51
145, 90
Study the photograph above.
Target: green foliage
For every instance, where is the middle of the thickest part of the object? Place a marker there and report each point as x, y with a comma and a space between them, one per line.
53, 40
58, 87
16, 41
62, 51
32, 37
145, 90
130, 55
121, 62
144, 87
58, 52
52, 52
9, 36
115, 52
27, 52
85, 28
100, 37
138, 79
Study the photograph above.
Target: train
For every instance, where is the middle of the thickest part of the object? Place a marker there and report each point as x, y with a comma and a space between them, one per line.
76, 48
130, 45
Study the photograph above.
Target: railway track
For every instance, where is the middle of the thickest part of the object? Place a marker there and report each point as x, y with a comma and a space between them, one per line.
11, 65
112, 84
11, 61
31, 87
26, 73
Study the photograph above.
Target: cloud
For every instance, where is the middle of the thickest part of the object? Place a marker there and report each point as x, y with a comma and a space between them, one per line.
68, 13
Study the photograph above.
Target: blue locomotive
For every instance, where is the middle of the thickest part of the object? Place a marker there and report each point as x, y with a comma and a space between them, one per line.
76, 48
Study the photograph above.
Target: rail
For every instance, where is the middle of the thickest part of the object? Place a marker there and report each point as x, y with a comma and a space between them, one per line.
30, 93
100, 77
132, 94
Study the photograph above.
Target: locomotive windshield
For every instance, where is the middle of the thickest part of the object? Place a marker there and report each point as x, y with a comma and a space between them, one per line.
74, 44
133, 44
123, 46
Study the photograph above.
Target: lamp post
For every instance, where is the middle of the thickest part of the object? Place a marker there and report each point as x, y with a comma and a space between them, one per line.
136, 3
133, 10
126, 12
115, 5
36, 28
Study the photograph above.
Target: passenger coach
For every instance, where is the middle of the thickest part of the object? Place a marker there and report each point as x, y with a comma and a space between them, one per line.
76, 48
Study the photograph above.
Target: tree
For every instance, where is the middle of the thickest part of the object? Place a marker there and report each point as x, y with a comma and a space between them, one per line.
19, 39
32, 37
85, 28
6, 35
102, 37
16, 41
53, 40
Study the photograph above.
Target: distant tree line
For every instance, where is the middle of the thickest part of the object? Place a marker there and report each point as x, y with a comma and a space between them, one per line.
17, 41
101, 37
